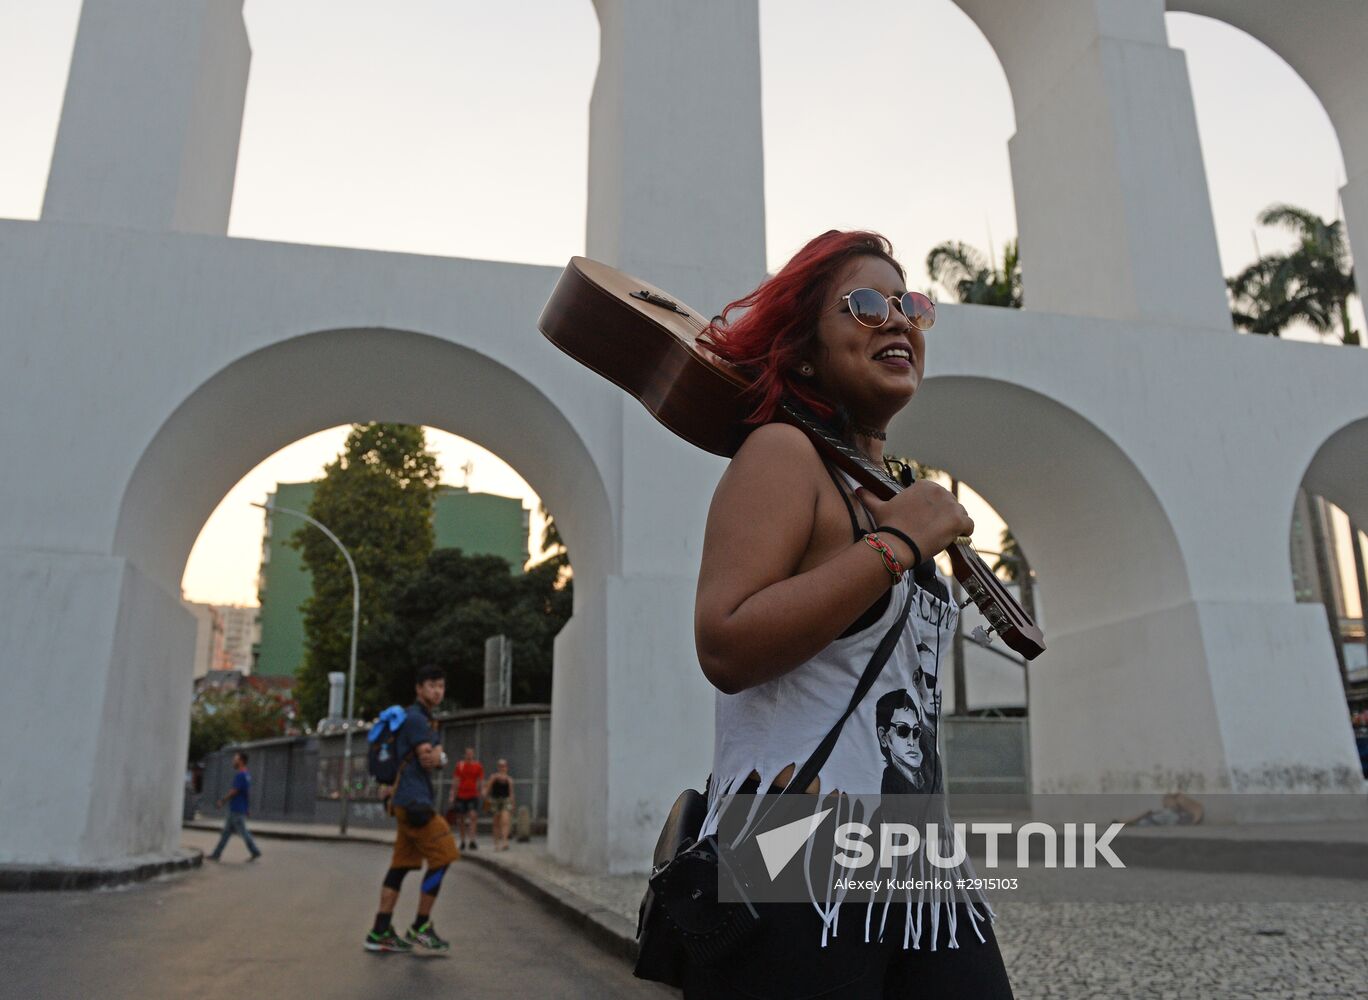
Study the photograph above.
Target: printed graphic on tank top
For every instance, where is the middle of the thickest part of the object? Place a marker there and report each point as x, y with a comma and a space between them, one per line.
889, 745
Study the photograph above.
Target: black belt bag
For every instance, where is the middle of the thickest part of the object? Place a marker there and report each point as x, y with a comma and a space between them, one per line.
681, 920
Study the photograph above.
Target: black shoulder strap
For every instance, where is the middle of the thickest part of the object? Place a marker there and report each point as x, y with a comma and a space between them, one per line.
842, 489
804, 775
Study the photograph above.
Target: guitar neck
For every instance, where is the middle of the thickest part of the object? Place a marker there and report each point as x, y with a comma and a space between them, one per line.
874, 477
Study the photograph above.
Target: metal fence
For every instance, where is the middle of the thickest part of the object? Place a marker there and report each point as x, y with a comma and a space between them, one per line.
987, 756
298, 779
282, 777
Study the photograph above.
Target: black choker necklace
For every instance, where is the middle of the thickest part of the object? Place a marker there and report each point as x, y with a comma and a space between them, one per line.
869, 432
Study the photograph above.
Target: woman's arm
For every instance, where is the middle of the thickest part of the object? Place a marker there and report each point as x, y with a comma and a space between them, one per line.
754, 619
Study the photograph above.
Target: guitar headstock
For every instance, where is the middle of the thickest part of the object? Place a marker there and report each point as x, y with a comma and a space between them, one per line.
1005, 614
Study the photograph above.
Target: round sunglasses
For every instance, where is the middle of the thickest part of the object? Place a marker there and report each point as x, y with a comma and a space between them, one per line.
870, 307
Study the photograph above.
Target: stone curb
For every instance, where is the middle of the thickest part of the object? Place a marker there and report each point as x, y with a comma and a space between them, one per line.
46, 878
359, 835
605, 928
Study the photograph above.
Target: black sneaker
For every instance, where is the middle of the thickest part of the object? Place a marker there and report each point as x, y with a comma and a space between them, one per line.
426, 937
463, 843
474, 846
387, 940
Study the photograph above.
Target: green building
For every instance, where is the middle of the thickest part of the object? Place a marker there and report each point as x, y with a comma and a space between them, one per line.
477, 523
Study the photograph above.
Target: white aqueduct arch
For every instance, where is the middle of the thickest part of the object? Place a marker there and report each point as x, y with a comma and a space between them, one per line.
278, 394
1146, 455
1323, 43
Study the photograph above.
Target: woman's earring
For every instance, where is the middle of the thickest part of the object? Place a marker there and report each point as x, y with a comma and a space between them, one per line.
806, 370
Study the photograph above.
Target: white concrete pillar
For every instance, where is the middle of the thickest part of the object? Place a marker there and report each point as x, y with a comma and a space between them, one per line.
95, 719
1112, 205
632, 719
152, 117
676, 196
1355, 197
676, 178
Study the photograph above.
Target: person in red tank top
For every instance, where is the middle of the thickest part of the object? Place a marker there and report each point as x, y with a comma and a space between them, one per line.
465, 797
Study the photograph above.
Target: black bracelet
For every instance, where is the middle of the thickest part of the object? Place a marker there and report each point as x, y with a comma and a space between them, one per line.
916, 552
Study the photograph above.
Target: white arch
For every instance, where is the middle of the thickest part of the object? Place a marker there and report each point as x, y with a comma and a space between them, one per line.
819, 175
278, 394
1338, 470
1322, 40
1067, 489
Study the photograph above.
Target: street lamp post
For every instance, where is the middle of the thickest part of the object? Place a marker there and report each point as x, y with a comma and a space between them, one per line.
351, 669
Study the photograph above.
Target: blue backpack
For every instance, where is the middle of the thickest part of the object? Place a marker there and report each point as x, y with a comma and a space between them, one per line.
382, 758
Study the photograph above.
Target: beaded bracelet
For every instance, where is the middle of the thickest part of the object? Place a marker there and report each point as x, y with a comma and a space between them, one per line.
916, 551
890, 561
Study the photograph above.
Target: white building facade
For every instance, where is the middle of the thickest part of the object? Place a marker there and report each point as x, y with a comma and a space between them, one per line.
1117, 422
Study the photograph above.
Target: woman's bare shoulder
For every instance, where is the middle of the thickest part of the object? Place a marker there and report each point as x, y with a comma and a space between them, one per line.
777, 445
774, 474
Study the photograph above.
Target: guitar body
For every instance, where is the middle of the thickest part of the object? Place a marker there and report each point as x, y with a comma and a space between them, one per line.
648, 349
646, 342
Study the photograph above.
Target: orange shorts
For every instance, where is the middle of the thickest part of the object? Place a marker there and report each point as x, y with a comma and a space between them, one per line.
432, 842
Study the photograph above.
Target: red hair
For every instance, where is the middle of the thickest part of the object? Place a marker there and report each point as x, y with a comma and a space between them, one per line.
778, 327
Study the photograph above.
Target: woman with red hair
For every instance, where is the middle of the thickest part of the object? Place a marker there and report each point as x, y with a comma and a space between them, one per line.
803, 577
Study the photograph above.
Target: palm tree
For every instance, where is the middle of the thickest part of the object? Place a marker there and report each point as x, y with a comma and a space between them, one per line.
553, 546
1264, 299
1312, 283
973, 277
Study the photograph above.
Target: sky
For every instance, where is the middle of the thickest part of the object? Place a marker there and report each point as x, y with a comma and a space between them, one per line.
459, 128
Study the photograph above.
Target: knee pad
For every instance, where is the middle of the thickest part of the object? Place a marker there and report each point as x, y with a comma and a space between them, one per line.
432, 881
394, 878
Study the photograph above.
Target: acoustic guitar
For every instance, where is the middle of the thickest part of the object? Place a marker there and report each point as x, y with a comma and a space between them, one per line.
646, 342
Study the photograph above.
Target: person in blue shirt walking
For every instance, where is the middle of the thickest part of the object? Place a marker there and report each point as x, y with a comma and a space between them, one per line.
421, 835
239, 801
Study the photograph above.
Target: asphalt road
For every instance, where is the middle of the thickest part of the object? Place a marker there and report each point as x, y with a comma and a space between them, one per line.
291, 925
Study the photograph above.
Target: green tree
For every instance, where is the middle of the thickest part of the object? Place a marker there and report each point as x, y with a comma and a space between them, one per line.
444, 614
1263, 297
377, 498
1313, 283
973, 277
220, 716
213, 723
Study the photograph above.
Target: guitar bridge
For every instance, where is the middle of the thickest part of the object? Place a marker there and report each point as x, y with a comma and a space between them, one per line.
659, 300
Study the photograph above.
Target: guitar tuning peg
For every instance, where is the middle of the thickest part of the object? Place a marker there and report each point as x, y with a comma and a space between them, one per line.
965, 603
982, 636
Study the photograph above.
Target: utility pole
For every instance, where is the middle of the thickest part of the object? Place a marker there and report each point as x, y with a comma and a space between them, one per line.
351, 671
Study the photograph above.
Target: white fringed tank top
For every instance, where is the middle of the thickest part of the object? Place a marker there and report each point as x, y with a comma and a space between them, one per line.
765, 728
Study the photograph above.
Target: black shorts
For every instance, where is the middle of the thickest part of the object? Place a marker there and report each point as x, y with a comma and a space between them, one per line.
463, 806
786, 960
